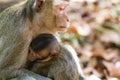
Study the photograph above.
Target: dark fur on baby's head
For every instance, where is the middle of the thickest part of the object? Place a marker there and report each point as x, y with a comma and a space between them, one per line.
42, 41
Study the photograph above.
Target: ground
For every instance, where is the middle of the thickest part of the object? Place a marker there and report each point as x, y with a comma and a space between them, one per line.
95, 35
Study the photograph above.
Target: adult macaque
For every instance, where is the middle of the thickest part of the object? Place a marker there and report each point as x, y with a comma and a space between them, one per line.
19, 24
48, 58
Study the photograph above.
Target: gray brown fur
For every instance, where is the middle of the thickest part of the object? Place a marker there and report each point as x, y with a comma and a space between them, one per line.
62, 68
7, 3
19, 24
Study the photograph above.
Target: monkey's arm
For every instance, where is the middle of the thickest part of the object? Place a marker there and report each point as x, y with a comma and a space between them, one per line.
21, 74
74, 55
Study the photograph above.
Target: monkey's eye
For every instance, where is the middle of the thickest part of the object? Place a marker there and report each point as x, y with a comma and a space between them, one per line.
61, 8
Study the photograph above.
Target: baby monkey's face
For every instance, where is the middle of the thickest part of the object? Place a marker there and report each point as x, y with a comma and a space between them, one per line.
50, 52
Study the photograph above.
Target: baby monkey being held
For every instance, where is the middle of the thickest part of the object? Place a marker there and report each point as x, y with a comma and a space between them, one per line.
43, 48
48, 58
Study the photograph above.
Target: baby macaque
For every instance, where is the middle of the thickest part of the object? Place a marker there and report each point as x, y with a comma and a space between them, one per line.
50, 59
43, 49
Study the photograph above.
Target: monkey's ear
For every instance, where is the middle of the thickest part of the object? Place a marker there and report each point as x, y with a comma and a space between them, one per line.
39, 5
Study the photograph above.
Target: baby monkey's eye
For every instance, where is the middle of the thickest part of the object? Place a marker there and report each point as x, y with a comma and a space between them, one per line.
61, 8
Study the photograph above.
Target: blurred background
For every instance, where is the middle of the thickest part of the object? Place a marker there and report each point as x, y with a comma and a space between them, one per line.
95, 35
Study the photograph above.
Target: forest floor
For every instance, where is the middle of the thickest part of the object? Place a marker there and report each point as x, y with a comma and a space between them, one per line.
95, 35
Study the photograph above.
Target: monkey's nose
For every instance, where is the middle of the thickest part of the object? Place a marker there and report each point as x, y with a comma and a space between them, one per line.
68, 20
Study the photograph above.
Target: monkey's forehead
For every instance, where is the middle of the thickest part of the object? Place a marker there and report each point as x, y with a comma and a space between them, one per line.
57, 2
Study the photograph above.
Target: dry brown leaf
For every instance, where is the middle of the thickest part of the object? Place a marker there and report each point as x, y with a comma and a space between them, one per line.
117, 64
73, 29
81, 29
99, 53
88, 70
112, 69
110, 54
93, 77
112, 78
110, 37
